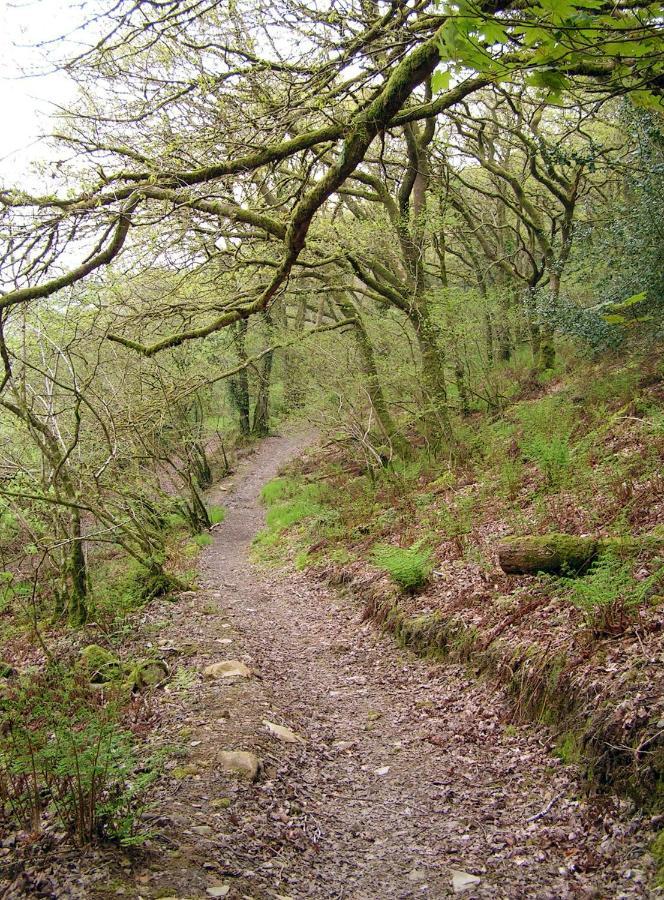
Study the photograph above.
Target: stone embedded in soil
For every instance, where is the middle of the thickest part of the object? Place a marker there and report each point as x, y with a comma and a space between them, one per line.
416, 875
463, 881
181, 772
148, 673
100, 664
229, 668
239, 762
282, 733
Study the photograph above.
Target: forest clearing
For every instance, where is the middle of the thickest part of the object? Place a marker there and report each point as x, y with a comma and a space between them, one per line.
331, 449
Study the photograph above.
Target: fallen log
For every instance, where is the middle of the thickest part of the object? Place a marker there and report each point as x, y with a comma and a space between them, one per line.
565, 553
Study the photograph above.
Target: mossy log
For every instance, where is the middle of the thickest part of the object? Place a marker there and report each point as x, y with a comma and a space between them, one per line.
565, 553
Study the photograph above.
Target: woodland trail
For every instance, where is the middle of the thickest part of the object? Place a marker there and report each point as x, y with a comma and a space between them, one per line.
408, 772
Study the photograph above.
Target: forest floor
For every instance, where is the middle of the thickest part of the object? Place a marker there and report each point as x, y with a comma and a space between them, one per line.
408, 780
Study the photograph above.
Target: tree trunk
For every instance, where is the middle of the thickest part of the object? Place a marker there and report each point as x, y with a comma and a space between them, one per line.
261, 423
399, 444
78, 610
238, 385
200, 465
294, 393
559, 554
461, 386
436, 416
546, 357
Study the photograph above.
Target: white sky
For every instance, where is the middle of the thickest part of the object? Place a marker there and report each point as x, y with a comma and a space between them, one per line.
27, 102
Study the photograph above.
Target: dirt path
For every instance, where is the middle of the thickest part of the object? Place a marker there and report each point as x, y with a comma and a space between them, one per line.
408, 771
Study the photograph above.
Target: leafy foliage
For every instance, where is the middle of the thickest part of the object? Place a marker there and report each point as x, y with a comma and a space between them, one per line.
555, 36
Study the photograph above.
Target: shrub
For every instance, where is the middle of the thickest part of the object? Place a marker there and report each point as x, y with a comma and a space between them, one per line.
457, 519
65, 756
9, 526
510, 477
12, 587
410, 569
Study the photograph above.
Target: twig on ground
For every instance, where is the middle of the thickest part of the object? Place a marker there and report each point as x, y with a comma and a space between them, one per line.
546, 810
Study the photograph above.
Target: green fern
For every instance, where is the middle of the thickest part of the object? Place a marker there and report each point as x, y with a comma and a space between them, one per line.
609, 594
410, 569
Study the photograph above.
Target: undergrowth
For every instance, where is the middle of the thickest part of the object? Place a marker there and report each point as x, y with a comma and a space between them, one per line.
609, 594
290, 501
66, 757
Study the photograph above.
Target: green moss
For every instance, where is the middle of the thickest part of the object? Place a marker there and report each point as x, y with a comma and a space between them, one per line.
157, 584
420, 633
463, 640
568, 749
147, 673
657, 850
552, 553
100, 664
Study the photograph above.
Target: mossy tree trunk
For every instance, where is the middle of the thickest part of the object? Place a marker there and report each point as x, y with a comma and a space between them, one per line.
438, 426
399, 444
238, 385
261, 421
78, 609
558, 554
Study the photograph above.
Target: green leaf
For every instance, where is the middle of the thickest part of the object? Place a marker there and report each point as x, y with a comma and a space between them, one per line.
549, 80
440, 80
631, 301
558, 10
615, 319
494, 32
